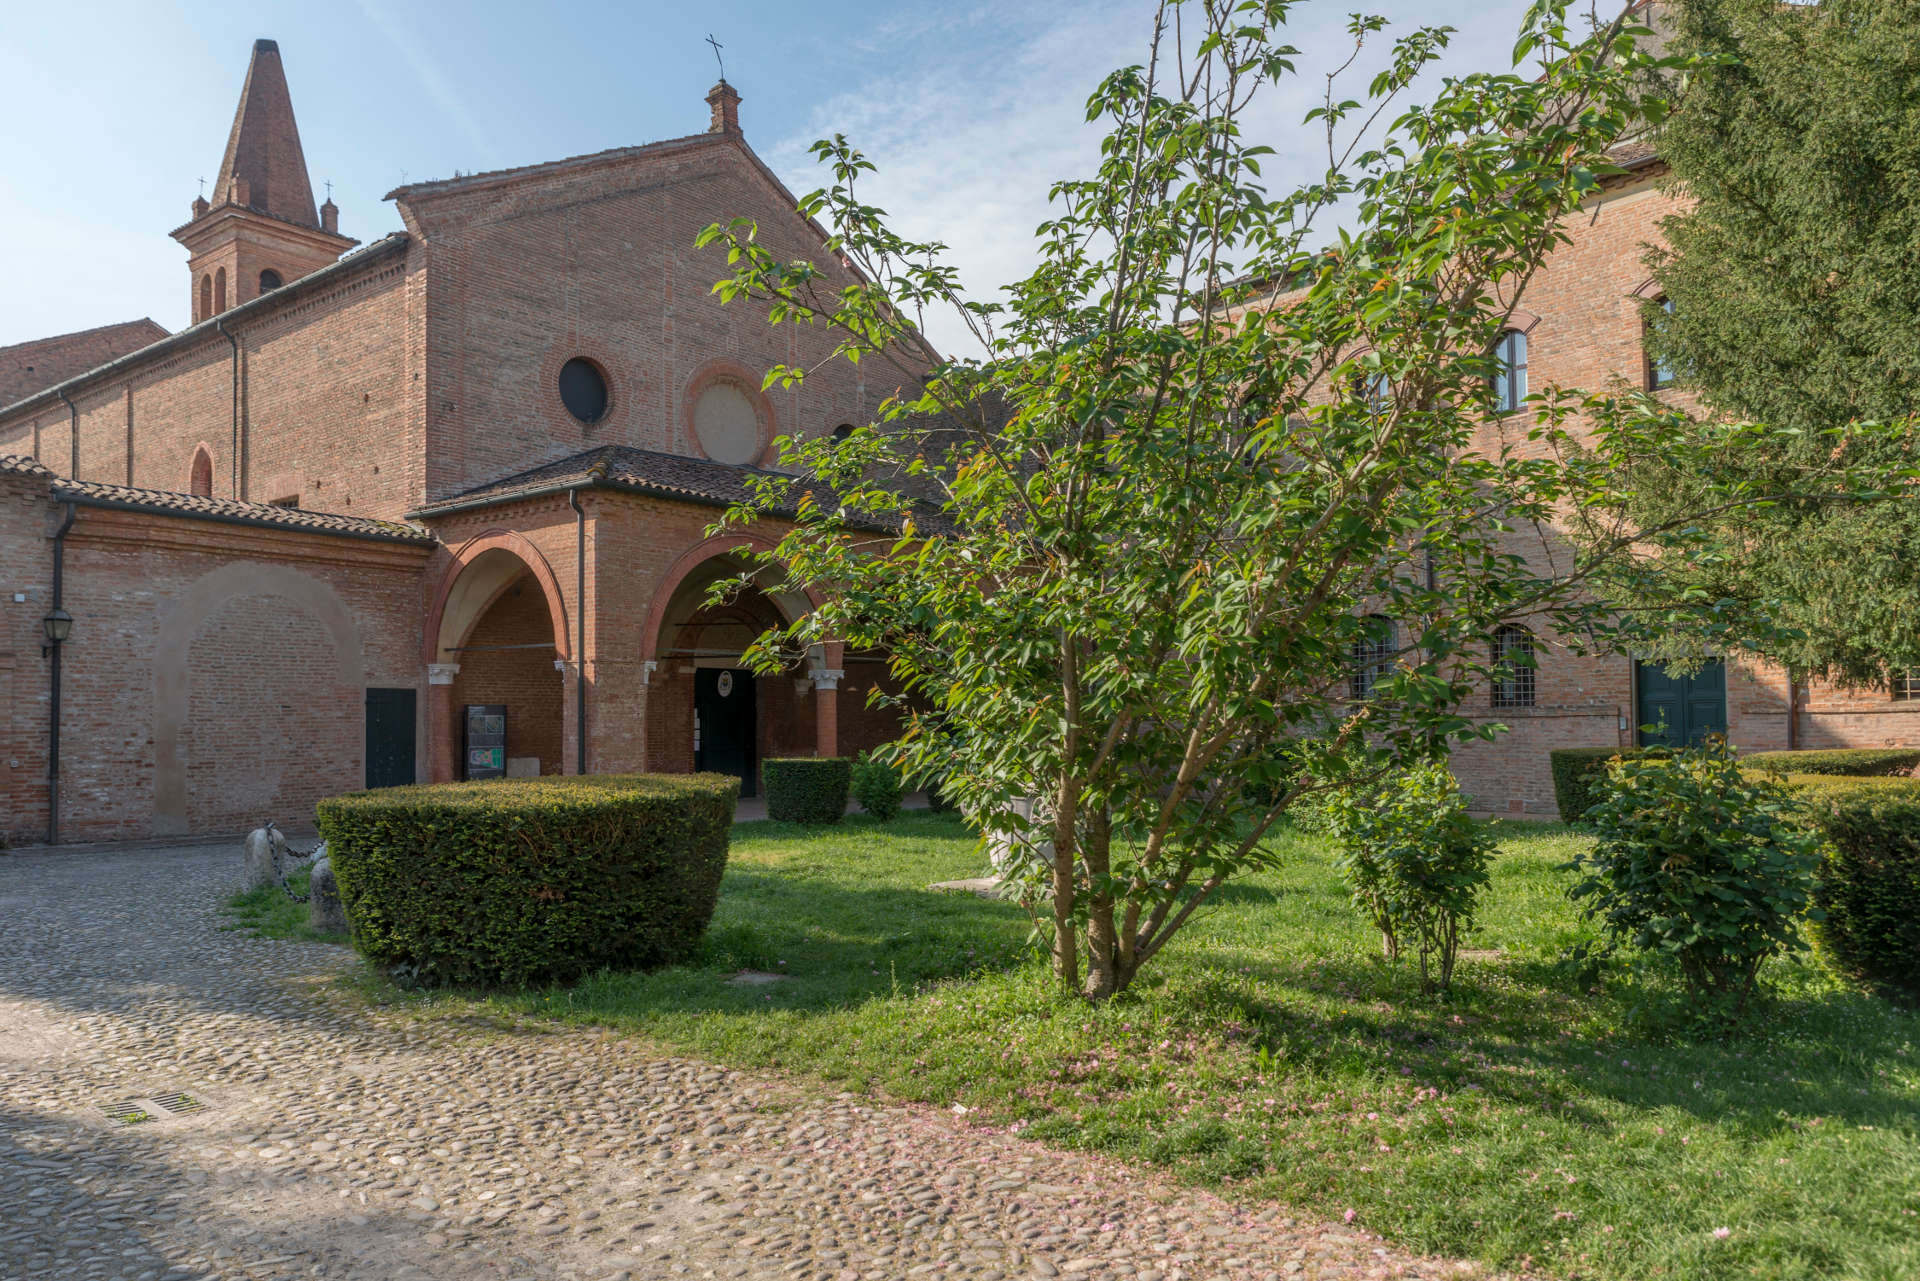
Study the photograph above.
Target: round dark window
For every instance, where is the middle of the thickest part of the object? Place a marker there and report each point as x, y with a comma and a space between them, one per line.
583, 390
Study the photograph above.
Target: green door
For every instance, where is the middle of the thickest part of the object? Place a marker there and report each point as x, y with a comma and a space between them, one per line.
1679, 710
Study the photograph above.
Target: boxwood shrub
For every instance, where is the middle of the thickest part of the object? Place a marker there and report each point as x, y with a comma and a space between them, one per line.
514, 881
876, 785
1869, 880
1861, 762
806, 789
1579, 771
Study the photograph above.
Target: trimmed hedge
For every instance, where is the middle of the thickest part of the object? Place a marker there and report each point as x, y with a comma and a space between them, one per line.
1859, 762
1869, 882
515, 881
1578, 773
807, 789
876, 785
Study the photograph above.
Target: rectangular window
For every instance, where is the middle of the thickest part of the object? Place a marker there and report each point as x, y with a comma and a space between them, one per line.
1659, 372
1513, 670
1906, 685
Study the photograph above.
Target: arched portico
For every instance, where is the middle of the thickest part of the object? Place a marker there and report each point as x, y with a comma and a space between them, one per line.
496, 638
705, 710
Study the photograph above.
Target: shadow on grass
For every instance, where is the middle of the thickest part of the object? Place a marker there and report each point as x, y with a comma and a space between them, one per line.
831, 945
1509, 1030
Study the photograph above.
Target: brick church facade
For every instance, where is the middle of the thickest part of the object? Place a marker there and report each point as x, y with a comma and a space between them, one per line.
469, 465
376, 494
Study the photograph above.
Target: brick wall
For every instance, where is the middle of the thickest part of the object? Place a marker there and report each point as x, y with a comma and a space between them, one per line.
215, 675
26, 565
329, 410
596, 260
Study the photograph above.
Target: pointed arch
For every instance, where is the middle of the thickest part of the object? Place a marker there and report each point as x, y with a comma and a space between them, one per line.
200, 472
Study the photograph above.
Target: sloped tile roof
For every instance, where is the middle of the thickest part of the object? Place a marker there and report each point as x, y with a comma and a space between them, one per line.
231, 511
18, 465
644, 471
641, 471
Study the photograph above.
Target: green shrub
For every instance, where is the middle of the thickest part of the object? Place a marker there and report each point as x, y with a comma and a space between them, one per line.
807, 789
1415, 862
876, 785
1700, 862
1578, 773
1869, 880
518, 880
1859, 762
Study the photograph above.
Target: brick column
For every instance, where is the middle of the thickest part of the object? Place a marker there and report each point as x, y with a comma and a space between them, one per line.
826, 710
443, 729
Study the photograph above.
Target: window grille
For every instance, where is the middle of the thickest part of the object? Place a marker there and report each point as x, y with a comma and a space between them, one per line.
1371, 657
1906, 684
1659, 372
1513, 670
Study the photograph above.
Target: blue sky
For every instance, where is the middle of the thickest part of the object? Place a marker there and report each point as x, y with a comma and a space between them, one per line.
970, 108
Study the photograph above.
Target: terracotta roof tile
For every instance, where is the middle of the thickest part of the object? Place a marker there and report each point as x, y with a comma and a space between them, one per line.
194, 507
19, 465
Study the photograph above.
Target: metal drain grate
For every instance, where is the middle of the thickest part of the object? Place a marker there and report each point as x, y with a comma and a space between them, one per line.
127, 1111
179, 1102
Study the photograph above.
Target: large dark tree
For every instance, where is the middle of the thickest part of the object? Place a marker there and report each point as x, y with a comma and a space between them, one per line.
1794, 283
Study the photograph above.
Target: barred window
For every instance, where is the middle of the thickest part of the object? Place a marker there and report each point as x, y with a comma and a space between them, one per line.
1513, 667
1510, 383
1371, 657
1906, 684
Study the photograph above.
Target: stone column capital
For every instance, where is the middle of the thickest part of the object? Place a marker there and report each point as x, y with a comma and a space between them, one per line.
827, 677
442, 673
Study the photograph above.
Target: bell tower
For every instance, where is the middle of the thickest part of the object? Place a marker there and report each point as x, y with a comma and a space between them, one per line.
260, 229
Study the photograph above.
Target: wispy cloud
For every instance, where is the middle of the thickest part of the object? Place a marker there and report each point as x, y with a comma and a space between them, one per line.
433, 82
988, 109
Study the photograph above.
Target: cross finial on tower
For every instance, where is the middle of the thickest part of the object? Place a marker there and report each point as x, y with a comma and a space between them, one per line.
203, 188
329, 185
717, 46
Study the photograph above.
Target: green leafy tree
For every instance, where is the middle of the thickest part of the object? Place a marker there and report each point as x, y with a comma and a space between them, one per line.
1795, 300
1203, 531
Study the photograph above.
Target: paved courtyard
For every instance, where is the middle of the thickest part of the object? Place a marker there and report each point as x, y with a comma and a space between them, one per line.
294, 1133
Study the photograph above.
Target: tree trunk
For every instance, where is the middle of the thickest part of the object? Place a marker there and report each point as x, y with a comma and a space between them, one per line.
1066, 954
1104, 965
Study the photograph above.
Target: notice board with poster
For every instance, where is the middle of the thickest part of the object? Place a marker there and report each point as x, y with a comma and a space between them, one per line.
485, 751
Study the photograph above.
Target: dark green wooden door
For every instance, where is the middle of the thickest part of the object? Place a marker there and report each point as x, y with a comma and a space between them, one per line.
389, 737
1679, 710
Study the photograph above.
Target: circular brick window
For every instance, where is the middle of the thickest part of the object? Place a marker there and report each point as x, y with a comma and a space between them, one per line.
727, 423
583, 390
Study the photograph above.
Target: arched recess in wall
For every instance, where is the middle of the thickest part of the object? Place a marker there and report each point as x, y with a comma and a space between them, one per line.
480, 570
220, 290
206, 298
791, 602
173, 646
200, 472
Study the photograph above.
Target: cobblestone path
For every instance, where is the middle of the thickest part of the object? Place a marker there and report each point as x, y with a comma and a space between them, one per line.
331, 1140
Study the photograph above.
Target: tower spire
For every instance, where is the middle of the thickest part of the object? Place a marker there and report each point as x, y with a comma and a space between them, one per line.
259, 230
264, 168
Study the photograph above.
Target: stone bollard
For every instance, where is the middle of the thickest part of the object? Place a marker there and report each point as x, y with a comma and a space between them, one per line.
262, 858
325, 911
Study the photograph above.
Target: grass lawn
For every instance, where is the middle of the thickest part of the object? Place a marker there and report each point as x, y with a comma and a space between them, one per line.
269, 913
1541, 1117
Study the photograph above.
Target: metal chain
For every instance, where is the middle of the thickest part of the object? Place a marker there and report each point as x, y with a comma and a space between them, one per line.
298, 857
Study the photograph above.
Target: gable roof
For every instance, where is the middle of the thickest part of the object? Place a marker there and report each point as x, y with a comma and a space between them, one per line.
618, 467
624, 469
28, 367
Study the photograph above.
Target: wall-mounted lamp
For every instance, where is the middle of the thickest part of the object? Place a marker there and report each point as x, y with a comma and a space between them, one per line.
57, 626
